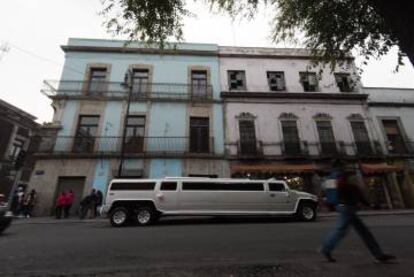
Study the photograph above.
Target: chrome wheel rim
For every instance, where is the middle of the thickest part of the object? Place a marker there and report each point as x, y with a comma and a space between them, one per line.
143, 217
307, 213
119, 217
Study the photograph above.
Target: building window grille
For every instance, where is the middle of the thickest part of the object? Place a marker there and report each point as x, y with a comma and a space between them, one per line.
135, 133
248, 144
309, 81
362, 141
86, 133
237, 80
276, 81
291, 141
326, 137
199, 135
395, 140
97, 80
199, 83
344, 82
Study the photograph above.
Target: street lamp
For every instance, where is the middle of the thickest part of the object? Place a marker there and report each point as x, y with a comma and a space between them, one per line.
127, 84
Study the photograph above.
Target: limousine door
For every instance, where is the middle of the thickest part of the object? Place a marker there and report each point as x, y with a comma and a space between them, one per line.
278, 197
167, 197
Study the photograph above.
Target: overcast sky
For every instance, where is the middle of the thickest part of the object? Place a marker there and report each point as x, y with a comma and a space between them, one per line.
34, 30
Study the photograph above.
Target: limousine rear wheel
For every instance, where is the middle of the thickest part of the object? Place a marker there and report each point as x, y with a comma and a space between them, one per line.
119, 217
145, 215
306, 212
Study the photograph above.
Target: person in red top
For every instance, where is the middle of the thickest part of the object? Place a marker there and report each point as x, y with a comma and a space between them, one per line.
60, 204
70, 197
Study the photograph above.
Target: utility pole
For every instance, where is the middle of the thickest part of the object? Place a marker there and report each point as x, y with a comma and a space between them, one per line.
128, 84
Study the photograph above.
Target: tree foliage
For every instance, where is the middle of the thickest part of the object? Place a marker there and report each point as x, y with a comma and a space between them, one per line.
331, 28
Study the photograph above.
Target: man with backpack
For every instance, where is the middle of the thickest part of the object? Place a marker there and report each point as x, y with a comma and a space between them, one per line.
348, 196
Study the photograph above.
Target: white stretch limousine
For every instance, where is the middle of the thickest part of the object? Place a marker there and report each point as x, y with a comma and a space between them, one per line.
145, 200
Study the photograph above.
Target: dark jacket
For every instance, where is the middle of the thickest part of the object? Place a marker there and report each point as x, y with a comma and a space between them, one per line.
348, 191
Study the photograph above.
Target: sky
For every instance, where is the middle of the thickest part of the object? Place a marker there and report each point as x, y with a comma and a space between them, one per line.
34, 30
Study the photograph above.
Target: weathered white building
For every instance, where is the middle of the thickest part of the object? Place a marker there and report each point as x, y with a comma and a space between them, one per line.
286, 118
392, 113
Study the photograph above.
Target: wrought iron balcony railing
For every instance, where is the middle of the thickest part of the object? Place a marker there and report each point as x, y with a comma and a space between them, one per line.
400, 147
249, 148
140, 91
133, 145
295, 148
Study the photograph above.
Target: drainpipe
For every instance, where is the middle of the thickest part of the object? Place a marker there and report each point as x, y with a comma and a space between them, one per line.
126, 84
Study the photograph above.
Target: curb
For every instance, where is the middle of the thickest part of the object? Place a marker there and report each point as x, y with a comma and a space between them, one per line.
19, 221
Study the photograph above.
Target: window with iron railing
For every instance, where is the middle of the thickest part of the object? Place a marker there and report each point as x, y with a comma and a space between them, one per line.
326, 137
97, 80
361, 137
199, 83
248, 143
140, 82
85, 133
199, 135
291, 141
135, 133
396, 144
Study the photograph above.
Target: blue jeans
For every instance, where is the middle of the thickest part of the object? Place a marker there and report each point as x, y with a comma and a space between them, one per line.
348, 216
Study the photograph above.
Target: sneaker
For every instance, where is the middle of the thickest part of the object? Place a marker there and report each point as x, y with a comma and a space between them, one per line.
385, 258
327, 255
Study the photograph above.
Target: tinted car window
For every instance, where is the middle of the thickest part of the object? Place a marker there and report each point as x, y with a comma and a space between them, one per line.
133, 186
276, 187
169, 186
222, 186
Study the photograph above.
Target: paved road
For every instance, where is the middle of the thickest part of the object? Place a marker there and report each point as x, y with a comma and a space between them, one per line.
200, 247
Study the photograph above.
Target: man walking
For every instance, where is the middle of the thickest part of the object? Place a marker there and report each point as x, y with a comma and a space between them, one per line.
348, 197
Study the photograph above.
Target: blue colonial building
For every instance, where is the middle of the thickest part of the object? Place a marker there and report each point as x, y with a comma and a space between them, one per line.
156, 111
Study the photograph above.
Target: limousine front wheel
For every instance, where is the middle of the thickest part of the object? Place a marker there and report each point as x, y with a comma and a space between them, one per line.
145, 215
119, 217
306, 212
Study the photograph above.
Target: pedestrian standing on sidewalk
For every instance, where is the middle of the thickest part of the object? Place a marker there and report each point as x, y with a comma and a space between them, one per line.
69, 202
348, 197
29, 203
99, 199
60, 204
92, 204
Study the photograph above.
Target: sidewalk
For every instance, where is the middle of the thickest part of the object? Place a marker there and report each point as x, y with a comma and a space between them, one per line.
52, 220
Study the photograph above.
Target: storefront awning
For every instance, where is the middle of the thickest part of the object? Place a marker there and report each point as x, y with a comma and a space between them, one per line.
277, 168
379, 168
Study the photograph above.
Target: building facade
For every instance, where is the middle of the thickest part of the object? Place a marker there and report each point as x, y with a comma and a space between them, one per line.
173, 126
206, 110
18, 131
392, 113
288, 119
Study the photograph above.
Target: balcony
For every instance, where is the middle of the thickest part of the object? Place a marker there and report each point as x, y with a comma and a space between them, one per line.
330, 149
116, 90
133, 147
400, 148
295, 148
304, 150
249, 149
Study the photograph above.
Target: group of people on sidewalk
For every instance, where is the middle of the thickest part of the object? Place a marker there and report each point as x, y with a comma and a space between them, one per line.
64, 204
88, 206
23, 203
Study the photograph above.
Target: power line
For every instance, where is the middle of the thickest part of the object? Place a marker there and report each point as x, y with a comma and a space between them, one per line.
30, 53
